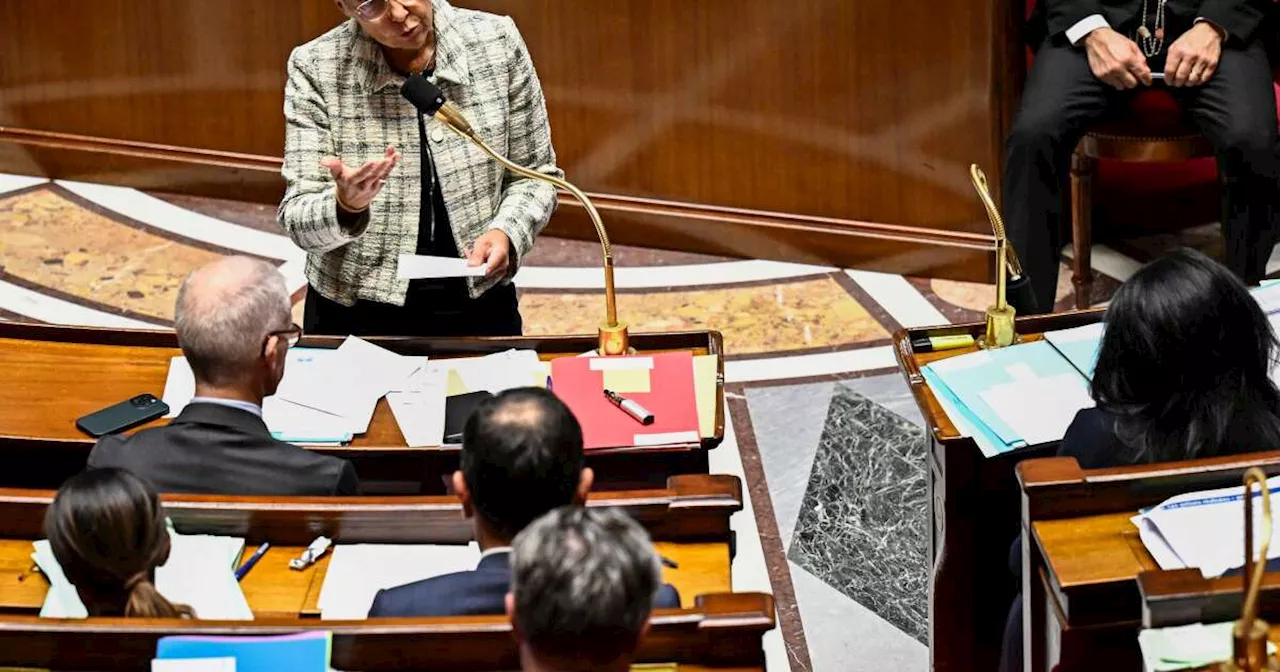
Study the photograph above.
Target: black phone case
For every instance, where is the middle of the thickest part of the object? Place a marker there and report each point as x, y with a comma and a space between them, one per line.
122, 416
457, 409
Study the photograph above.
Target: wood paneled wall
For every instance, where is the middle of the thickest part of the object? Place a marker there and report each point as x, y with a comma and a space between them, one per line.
829, 131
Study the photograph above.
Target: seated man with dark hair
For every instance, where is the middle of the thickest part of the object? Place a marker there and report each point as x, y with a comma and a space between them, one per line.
521, 457
582, 587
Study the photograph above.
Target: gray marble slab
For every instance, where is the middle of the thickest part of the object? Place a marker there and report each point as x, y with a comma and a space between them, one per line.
864, 519
889, 391
788, 422
844, 635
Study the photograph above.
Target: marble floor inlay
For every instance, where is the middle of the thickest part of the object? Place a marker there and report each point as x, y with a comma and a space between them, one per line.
758, 318
48, 241
864, 521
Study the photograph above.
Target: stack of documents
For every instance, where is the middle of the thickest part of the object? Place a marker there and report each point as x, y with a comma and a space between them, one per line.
1205, 530
419, 403
1009, 398
347, 382
200, 573
1028, 394
357, 572
325, 397
1187, 646
496, 373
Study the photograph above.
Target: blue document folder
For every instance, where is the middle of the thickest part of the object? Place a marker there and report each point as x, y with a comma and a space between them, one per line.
303, 652
959, 383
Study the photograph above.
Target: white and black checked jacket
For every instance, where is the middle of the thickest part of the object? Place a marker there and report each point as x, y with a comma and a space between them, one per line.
342, 99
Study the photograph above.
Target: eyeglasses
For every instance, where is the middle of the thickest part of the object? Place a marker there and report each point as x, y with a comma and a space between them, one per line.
291, 335
371, 10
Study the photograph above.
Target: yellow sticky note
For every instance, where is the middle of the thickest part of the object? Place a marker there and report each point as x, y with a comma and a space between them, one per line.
704, 390
627, 381
454, 385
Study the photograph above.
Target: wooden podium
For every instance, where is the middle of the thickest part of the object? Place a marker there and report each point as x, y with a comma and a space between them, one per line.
57, 374
974, 513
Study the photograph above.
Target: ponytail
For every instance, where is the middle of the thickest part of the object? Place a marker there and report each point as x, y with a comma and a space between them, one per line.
144, 601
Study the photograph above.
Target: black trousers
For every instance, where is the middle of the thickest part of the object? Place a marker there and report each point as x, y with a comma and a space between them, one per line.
440, 308
1235, 110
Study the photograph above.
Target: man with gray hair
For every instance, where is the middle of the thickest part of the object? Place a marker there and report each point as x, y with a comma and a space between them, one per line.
582, 587
235, 328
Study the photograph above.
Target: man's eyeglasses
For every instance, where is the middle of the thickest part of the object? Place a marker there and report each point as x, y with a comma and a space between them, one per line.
291, 336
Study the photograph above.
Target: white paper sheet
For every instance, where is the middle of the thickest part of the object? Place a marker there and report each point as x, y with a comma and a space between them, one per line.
194, 665
500, 371
179, 386
1039, 410
298, 424
357, 572
1157, 545
416, 266
420, 409
1268, 297
1187, 646
1206, 529
382, 369
200, 572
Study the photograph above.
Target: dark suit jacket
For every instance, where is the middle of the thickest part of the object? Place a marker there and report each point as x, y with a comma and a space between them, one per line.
219, 450
1240, 18
481, 591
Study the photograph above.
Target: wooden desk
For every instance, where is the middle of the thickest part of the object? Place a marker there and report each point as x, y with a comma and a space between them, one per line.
67, 372
689, 521
1082, 558
722, 632
975, 511
275, 591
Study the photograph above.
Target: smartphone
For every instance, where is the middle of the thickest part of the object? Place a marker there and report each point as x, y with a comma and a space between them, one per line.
457, 410
122, 416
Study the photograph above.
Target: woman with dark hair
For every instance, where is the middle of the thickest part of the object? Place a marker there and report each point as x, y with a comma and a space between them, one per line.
108, 533
1184, 372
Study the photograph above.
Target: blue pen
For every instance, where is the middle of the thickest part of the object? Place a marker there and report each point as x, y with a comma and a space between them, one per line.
253, 560
548, 382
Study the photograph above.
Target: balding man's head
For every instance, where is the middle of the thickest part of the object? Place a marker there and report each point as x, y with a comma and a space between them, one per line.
521, 457
224, 314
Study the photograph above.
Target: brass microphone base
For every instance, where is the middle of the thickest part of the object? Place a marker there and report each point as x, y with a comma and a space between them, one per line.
1249, 649
1000, 328
614, 339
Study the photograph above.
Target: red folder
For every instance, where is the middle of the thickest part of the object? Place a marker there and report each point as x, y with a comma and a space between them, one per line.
670, 399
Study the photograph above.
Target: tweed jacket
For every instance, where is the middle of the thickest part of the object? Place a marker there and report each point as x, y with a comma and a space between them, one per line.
343, 99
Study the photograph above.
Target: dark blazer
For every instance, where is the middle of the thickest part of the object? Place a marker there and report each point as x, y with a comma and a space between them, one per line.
219, 450
479, 592
1240, 18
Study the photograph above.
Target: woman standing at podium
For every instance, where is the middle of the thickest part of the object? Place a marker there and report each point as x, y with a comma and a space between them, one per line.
368, 179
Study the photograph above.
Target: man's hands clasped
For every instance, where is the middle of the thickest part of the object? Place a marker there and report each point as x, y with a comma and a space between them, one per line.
1193, 58
1117, 60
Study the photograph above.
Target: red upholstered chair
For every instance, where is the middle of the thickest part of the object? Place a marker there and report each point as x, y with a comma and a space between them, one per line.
1152, 129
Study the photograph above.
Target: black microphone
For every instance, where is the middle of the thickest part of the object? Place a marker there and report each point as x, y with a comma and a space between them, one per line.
430, 100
